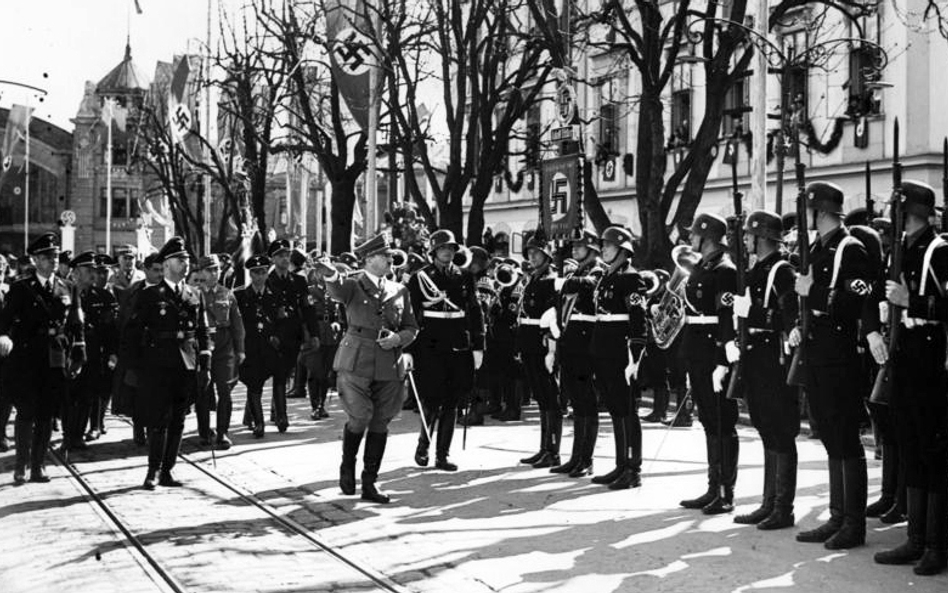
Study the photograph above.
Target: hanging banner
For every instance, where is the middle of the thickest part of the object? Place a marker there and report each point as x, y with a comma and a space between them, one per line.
351, 53
559, 189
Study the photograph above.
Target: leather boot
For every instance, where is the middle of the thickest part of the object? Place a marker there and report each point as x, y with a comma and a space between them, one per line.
225, 406
512, 404
576, 453
138, 434
889, 482
443, 444
372, 461
350, 449
713, 452
590, 435
149, 483
828, 529
170, 457
724, 500
544, 435
6, 409
255, 406
853, 532
42, 429
683, 411
935, 558
622, 452
785, 490
659, 405
913, 548
23, 437
770, 486
896, 513
248, 417
631, 476
156, 447
421, 451
551, 453
278, 404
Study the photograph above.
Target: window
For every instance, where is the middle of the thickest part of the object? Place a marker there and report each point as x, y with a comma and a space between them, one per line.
863, 70
681, 118
795, 88
736, 107
534, 133
124, 203
611, 96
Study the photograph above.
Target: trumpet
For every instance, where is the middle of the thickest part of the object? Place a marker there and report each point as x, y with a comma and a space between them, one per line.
506, 275
669, 317
463, 257
399, 259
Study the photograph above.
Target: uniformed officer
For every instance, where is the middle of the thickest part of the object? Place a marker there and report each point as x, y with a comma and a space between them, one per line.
226, 328
101, 269
65, 265
501, 349
536, 342
770, 309
317, 359
708, 348
258, 311
293, 314
41, 332
6, 405
449, 346
918, 402
126, 275
100, 312
835, 285
578, 315
369, 363
169, 348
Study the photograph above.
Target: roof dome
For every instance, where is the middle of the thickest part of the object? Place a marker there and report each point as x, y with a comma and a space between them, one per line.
124, 78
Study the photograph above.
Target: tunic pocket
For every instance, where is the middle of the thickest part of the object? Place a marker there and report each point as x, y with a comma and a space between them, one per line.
347, 355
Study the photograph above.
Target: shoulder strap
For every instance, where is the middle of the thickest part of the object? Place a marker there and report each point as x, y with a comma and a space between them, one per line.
927, 266
771, 277
838, 257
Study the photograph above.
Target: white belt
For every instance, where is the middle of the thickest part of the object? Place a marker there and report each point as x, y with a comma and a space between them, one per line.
582, 317
612, 317
528, 321
701, 319
910, 322
443, 314
759, 330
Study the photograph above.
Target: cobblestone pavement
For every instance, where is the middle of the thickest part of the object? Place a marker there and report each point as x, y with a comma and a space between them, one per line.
492, 526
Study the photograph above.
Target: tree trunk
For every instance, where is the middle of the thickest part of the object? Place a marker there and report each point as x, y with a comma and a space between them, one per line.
649, 180
591, 204
343, 201
480, 191
451, 214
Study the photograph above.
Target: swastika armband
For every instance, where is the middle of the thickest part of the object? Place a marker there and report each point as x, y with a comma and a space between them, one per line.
858, 286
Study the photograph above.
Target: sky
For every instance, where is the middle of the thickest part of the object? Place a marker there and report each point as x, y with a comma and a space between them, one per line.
57, 45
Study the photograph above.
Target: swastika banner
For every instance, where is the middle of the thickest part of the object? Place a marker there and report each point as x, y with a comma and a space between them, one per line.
559, 193
352, 54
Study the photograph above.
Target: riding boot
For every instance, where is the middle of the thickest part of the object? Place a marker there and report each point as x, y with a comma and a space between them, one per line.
350, 449
659, 405
42, 429
713, 452
853, 532
278, 404
551, 453
631, 476
372, 462
225, 406
512, 404
622, 452
202, 411
785, 489
590, 434
576, 453
896, 513
724, 501
935, 558
835, 523
913, 548
170, 455
544, 435
255, 406
767, 502
684, 409
421, 451
890, 479
23, 437
6, 409
443, 444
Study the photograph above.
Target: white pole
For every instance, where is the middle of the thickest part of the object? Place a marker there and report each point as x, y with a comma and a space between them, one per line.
26, 185
287, 228
207, 135
371, 185
304, 199
758, 164
108, 179
327, 200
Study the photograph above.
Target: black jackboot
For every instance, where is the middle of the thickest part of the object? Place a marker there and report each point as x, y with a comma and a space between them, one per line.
835, 523
23, 437
913, 548
421, 451
713, 451
225, 406
622, 452
659, 405
785, 490
544, 435
278, 404
935, 558
42, 429
443, 444
576, 453
590, 434
156, 450
770, 486
350, 449
631, 476
371, 462
170, 457
551, 453
853, 532
6, 409
255, 407
724, 501
890, 480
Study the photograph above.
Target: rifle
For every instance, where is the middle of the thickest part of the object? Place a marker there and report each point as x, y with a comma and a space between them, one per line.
870, 206
733, 387
796, 376
882, 388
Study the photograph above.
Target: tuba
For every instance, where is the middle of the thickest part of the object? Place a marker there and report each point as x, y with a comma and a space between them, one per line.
463, 257
506, 275
399, 259
669, 315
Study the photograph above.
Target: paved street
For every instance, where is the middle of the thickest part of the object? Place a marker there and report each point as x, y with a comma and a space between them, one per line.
493, 526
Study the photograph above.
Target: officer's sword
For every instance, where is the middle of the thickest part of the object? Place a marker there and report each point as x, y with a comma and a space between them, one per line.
421, 408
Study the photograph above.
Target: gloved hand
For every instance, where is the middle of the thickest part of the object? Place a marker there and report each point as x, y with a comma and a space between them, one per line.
732, 352
76, 359
408, 361
204, 379
877, 347
632, 370
742, 304
548, 361
478, 359
241, 357
884, 311
6, 346
794, 338
717, 378
113, 362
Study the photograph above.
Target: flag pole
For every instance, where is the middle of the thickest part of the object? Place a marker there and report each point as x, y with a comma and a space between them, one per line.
108, 179
371, 187
26, 185
207, 132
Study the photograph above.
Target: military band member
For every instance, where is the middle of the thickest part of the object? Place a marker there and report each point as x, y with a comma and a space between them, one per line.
449, 346
770, 308
578, 314
258, 311
501, 349
226, 328
41, 334
836, 286
169, 348
708, 348
317, 359
369, 363
918, 402
536, 342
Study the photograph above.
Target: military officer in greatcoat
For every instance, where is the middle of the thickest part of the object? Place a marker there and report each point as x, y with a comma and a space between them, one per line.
918, 402
537, 332
227, 334
369, 363
578, 316
258, 311
42, 337
709, 348
449, 346
770, 307
330, 320
835, 286
170, 350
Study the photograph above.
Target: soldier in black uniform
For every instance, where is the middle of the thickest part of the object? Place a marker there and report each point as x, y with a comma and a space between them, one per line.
918, 402
536, 343
258, 310
100, 312
708, 348
449, 346
41, 333
617, 347
330, 321
101, 268
770, 308
578, 314
169, 348
293, 314
501, 351
836, 286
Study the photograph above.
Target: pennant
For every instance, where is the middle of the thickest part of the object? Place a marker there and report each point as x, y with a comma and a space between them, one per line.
18, 119
179, 115
351, 54
113, 112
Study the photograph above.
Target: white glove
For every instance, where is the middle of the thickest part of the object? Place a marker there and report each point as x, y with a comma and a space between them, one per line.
548, 320
6, 345
548, 362
717, 378
478, 359
884, 311
558, 284
794, 338
653, 310
742, 304
632, 370
877, 347
732, 352
409, 361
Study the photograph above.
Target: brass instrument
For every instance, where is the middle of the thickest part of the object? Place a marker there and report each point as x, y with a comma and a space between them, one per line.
399, 259
463, 257
669, 316
506, 275
654, 284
